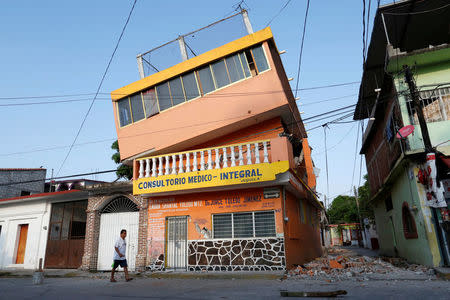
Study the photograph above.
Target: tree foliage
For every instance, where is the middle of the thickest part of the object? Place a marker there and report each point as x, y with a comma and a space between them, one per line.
343, 209
123, 171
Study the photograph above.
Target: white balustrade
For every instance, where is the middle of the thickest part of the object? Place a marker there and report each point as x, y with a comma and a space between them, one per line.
174, 164
160, 166
202, 160
188, 162
153, 166
141, 169
217, 158
167, 164
257, 161
180, 166
194, 165
266, 154
233, 157
147, 167
224, 157
249, 154
209, 160
241, 157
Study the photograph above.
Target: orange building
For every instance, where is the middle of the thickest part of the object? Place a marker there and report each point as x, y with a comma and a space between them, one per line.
220, 153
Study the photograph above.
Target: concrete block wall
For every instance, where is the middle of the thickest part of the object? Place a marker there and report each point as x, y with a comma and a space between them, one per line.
18, 175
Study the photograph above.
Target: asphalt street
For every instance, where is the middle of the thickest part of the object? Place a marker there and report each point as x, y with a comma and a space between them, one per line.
153, 288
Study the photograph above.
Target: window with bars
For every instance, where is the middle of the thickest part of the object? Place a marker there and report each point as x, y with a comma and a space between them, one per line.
188, 86
244, 225
435, 104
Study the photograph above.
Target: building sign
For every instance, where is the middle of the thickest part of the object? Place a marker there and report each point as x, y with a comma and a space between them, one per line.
210, 178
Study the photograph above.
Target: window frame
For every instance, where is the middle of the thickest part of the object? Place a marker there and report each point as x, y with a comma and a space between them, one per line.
253, 225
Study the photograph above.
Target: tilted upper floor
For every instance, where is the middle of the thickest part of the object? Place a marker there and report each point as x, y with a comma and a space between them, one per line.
214, 94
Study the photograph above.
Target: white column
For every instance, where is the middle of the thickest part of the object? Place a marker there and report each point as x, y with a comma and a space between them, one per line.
249, 154
147, 167
153, 166
188, 162
174, 164
241, 156
233, 157
257, 161
209, 160
225, 159
180, 165
266, 154
167, 166
160, 166
202, 160
217, 161
141, 168
194, 165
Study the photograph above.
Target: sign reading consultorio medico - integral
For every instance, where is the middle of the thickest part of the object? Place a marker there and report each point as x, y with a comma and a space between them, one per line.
210, 178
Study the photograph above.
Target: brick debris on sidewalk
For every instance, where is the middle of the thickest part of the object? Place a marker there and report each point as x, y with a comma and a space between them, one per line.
343, 264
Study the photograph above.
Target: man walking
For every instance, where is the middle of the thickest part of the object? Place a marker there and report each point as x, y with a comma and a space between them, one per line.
120, 248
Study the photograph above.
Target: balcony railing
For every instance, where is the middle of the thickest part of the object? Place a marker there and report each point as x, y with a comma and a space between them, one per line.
203, 159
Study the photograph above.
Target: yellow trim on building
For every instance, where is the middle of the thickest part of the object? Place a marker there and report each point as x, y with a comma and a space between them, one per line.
185, 66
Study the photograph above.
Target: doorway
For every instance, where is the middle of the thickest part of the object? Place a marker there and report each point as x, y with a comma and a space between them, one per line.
120, 213
22, 245
176, 246
65, 242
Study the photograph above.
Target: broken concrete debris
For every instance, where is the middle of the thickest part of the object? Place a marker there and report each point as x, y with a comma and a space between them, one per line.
341, 264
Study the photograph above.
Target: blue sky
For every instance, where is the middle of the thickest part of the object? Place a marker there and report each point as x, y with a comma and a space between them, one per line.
62, 47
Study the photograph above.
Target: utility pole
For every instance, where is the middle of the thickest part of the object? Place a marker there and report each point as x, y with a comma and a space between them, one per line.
361, 225
418, 108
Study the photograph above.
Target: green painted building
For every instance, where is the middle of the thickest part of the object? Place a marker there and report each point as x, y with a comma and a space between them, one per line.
408, 35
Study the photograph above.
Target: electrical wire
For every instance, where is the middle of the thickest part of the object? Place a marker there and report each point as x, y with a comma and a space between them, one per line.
98, 89
279, 12
418, 12
301, 48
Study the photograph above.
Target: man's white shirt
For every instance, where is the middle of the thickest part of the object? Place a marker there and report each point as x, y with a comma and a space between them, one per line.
122, 246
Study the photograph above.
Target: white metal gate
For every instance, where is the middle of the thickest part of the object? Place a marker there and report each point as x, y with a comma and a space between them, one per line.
110, 226
176, 242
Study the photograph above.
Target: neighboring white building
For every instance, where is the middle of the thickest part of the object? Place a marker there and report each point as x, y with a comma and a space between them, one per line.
25, 224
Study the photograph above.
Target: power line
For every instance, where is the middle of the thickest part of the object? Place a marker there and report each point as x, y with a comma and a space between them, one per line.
417, 12
49, 102
60, 177
146, 133
279, 12
104, 93
99, 87
301, 48
329, 112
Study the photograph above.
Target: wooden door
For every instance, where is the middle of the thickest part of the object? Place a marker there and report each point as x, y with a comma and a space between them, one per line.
22, 243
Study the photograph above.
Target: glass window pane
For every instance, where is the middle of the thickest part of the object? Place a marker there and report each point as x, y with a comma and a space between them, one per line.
124, 112
163, 96
137, 108
245, 65
206, 80
55, 231
265, 224
260, 59
222, 226
190, 86
150, 102
176, 90
243, 225
234, 68
57, 212
220, 73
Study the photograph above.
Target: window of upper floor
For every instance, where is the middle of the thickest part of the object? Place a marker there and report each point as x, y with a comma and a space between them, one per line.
435, 103
191, 85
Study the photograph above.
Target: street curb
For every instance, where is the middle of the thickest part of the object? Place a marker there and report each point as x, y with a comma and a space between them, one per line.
443, 273
213, 276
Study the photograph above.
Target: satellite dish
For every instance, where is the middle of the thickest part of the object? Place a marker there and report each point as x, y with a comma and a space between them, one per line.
405, 131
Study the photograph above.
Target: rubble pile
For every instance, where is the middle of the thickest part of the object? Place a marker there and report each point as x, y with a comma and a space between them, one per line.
339, 265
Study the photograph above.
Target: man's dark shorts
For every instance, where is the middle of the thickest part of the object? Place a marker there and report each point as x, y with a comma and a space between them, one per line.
120, 262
